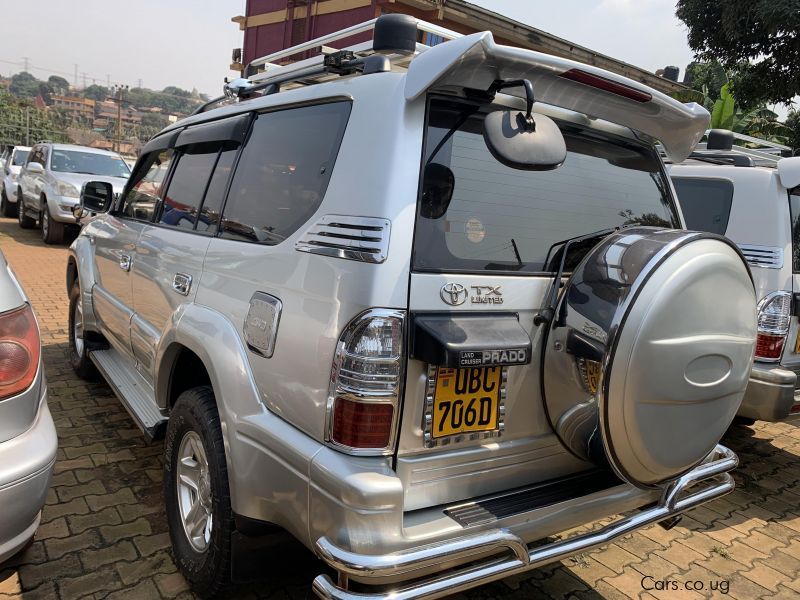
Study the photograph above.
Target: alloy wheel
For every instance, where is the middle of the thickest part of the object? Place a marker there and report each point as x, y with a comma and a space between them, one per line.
194, 491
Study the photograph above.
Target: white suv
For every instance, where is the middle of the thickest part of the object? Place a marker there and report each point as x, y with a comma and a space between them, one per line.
51, 181
337, 295
753, 198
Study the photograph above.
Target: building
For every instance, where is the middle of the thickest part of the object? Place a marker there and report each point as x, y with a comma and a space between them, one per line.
82, 108
271, 25
106, 114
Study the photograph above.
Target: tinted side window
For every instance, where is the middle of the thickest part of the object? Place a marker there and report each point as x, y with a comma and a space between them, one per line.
283, 172
706, 203
187, 186
145, 186
215, 194
794, 207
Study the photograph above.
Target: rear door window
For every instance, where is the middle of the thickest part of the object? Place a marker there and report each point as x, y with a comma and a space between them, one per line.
283, 172
794, 207
705, 203
187, 186
502, 219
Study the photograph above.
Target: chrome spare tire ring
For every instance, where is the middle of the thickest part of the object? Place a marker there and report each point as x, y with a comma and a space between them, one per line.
194, 491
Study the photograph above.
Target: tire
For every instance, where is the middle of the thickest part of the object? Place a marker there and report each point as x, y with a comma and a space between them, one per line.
25, 222
52, 230
7, 208
205, 562
80, 345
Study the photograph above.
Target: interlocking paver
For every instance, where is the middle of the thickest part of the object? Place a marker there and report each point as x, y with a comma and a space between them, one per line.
104, 531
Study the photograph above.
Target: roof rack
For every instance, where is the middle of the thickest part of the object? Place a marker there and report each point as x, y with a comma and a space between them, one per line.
394, 44
766, 154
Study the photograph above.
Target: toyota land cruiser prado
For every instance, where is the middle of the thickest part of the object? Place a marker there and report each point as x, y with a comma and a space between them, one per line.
419, 323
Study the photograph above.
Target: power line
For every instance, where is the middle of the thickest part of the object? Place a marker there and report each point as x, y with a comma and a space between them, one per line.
87, 76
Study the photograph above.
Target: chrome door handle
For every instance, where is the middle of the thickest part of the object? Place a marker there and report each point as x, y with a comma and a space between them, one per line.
125, 262
182, 283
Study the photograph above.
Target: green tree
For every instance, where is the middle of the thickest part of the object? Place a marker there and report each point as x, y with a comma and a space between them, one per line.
793, 126
24, 85
758, 122
96, 92
58, 85
707, 78
757, 42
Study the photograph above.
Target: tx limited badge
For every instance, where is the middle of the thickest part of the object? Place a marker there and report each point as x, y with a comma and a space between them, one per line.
456, 294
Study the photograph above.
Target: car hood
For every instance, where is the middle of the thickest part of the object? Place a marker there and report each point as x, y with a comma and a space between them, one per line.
78, 179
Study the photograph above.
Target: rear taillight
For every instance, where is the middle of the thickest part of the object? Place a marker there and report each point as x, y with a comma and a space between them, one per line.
366, 382
19, 350
607, 85
774, 318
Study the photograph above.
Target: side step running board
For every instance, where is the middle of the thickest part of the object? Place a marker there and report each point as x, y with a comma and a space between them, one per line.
133, 391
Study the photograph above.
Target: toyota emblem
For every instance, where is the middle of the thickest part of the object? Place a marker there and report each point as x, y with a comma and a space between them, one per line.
453, 294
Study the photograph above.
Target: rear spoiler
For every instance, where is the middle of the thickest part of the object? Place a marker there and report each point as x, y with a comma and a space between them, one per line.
476, 61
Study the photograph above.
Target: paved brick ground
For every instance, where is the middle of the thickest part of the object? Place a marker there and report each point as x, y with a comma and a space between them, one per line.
104, 535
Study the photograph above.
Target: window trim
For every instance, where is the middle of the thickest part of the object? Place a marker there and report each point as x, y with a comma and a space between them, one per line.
498, 102
117, 211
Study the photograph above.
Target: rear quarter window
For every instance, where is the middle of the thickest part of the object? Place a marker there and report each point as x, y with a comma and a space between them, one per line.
705, 203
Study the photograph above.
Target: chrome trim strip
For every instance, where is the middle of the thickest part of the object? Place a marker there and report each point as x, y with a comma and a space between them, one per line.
713, 472
768, 257
364, 239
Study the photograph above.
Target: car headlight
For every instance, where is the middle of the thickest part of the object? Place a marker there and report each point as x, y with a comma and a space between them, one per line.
66, 189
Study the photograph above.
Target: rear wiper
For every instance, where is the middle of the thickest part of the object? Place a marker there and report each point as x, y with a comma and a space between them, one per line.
551, 297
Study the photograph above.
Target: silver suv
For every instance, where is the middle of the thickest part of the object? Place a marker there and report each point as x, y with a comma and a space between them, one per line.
339, 295
51, 181
716, 188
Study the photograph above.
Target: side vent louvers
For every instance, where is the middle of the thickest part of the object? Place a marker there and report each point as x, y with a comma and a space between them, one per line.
768, 257
352, 238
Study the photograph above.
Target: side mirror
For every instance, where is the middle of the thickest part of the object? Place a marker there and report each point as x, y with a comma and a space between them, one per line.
96, 196
35, 167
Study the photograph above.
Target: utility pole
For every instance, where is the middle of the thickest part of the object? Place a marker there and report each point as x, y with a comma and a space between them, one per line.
140, 84
120, 89
76, 75
84, 80
25, 61
27, 126
108, 80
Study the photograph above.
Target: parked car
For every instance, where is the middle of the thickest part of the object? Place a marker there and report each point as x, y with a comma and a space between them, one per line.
754, 199
5, 151
341, 307
28, 439
51, 181
8, 193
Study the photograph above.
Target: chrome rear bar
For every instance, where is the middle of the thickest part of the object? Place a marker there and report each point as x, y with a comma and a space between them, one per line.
712, 473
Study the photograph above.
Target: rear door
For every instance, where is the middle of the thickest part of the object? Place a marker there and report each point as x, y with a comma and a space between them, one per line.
171, 250
492, 250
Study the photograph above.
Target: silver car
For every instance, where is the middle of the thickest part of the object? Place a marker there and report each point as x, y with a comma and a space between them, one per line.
28, 439
51, 181
339, 297
17, 157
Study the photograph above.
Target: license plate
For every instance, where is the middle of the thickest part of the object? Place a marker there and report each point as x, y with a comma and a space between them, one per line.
466, 400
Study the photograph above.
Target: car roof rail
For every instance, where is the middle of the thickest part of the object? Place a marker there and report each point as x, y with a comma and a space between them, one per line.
721, 149
392, 47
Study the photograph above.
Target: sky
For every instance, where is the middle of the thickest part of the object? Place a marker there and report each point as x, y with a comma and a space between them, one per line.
188, 43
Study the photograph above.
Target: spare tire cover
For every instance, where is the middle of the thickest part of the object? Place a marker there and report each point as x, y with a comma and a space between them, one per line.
649, 352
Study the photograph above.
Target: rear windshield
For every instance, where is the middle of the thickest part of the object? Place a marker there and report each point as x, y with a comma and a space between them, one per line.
705, 203
505, 219
794, 207
20, 157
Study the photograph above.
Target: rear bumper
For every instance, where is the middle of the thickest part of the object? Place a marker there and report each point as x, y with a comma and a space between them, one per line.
504, 553
26, 469
770, 393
